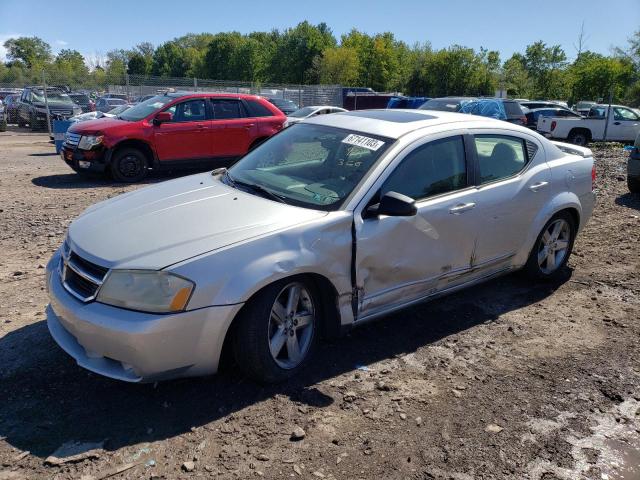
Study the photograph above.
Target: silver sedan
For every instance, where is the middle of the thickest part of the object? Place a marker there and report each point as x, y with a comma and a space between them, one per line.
333, 222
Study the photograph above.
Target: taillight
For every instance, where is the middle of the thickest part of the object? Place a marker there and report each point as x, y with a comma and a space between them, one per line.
593, 177
553, 125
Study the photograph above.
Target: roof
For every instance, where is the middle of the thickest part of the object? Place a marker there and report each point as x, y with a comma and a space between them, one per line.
210, 94
393, 123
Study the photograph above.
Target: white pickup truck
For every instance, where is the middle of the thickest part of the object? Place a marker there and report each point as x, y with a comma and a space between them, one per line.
623, 125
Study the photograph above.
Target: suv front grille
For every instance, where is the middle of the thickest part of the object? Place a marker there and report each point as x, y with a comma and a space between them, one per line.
81, 278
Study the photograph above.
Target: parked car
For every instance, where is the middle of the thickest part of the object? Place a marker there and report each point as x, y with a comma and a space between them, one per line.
332, 222
312, 111
84, 117
32, 107
622, 125
172, 130
407, 102
633, 167
105, 104
3, 117
83, 101
11, 104
12, 91
498, 108
142, 98
534, 115
446, 104
535, 104
285, 106
583, 107
120, 96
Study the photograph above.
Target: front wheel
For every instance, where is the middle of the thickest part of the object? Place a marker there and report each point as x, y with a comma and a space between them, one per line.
634, 184
277, 331
129, 165
552, 248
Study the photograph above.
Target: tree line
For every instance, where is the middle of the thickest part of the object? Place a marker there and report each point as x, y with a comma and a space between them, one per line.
311, 54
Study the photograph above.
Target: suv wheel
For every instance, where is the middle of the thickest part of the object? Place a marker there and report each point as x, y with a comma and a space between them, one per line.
276, 331
33, 123
634, 184
129, 165
552, 248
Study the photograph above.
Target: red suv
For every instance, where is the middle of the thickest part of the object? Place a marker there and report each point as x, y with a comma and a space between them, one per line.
170, 131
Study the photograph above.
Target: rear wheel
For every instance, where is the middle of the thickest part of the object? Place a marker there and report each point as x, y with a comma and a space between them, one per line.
634, 184
579, 137
129, 165
277, 330
552, 248
33, 123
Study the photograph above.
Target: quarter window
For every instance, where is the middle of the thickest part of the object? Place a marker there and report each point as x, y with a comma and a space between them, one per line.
431, 169
258, 110
499, 156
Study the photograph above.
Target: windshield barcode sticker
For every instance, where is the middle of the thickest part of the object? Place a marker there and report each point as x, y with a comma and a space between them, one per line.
364, 142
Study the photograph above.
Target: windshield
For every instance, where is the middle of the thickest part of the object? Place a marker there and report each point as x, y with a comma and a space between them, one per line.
445, 105
146, 108
80, 98
38, 96
311, 166
303, 112
118, 110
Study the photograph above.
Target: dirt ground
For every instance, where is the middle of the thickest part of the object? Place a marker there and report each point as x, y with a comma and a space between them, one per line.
509, 380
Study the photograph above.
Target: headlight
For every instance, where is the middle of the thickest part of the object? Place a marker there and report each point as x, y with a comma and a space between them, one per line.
77, 110
87, 142
147, 291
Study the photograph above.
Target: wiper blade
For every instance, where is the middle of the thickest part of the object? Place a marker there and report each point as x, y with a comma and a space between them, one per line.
251, 186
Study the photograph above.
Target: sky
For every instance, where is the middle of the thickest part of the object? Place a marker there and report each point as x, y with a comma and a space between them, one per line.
93, 28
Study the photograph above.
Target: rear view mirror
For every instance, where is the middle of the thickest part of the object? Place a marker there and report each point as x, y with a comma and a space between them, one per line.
393, 204
162, 117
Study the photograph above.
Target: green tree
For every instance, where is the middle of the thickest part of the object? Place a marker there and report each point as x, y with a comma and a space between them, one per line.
31, 51
338, 65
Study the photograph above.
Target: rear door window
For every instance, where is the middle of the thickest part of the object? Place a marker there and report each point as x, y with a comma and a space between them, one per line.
256, 109
499, 156
227, 109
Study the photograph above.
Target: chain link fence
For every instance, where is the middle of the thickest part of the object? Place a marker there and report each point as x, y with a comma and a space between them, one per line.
99, 82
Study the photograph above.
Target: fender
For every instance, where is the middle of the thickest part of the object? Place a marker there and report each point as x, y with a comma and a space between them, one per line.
114, 144
561, 201
233, 274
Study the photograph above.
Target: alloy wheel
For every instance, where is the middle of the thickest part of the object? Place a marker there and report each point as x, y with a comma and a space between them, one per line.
554, 246
291, 325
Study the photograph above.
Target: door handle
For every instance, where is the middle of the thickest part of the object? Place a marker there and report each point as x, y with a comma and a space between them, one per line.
250, 125
200, 125
537, 186
616, 123
461, 207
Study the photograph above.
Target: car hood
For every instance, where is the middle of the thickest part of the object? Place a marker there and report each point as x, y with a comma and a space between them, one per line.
99, 124
158, 226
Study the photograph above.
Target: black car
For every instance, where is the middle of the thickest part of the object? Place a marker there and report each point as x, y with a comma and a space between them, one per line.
533, 115
286, 106
83, 101
11, 104
32, 108
446, 104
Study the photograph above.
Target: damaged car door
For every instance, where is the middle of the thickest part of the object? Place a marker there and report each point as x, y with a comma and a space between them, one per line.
400, 259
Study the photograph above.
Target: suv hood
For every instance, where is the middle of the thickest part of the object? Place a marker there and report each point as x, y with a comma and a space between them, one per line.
100, 124
158, 226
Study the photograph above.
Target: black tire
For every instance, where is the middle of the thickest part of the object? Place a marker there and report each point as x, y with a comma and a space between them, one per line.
129, 165
33, 123
3, 126
579, 137
533, 268
250, 336
21, 124
634, 184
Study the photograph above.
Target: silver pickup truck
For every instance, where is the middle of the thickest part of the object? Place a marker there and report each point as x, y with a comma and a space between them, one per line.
622, 125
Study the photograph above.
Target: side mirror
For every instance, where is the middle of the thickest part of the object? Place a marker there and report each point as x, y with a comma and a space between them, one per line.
393, 204
162, 117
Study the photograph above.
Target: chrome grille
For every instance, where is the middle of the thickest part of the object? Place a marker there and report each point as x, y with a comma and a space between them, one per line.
72, 139
80, 278
62, 112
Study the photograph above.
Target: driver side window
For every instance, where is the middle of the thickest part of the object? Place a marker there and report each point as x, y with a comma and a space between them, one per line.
431, 169
190, 111
624, 114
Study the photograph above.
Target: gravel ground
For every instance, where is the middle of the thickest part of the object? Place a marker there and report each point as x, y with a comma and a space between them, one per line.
507, 380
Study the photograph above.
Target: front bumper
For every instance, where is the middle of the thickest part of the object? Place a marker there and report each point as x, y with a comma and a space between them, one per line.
134, 346
84, 160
